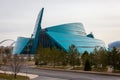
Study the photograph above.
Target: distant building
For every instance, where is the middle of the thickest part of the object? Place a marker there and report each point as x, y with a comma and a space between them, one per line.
115, 44
59, 36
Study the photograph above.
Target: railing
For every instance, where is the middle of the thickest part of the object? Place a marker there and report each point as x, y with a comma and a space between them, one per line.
8, 40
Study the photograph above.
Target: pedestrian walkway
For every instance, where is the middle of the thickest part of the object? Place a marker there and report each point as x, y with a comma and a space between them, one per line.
31, 76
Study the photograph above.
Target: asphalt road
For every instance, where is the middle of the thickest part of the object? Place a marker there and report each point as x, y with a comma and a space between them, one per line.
61, 75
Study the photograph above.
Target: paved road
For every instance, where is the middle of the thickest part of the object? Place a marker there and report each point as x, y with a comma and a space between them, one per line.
61, 75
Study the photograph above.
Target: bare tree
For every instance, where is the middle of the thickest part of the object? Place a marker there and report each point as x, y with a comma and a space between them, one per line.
16, 64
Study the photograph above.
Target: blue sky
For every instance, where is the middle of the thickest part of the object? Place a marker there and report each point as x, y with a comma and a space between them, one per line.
102, 17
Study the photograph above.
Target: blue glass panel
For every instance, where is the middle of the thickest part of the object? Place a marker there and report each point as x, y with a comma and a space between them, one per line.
21, 43
83, 43
36, 32
82, 50
71, 28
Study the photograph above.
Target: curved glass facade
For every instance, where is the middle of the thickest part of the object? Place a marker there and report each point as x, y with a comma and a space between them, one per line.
21, 44
114, 44
37, 30
71, 28
67, 34
60, 36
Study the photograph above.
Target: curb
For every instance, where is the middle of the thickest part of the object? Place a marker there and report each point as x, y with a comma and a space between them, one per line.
85, 72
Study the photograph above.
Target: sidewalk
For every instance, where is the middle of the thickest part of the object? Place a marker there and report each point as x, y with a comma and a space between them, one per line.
31, 76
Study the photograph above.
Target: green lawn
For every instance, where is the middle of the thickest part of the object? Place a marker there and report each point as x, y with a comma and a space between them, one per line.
10, 77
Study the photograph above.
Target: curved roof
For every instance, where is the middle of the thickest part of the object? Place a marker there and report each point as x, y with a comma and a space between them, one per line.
70, 28
114, 44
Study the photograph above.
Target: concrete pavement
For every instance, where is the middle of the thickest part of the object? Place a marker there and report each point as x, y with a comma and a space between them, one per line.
63, 75
80, 71
43, 74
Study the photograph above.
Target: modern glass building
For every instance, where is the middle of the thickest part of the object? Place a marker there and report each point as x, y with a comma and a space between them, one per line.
59, 36
115, 44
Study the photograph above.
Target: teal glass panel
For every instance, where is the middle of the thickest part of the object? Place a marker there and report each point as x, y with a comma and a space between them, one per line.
36, 32
70, 28
21, 43
65, 35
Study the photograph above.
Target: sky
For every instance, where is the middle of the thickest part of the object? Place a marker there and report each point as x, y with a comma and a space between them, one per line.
101, 17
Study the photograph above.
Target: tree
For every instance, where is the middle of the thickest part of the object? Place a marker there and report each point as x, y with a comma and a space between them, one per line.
7, 50
29, 57
92, 60
54, 56
100, 58
63, 58
47, 56
16, 65
114, 59
87, 66
84, 57
78, 62
40, 56
73, 55
118, 67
